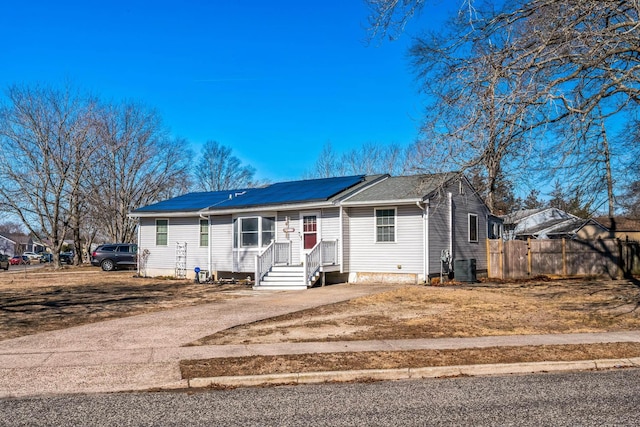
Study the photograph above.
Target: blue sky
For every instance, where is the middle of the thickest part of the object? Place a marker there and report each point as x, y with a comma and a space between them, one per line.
274, 80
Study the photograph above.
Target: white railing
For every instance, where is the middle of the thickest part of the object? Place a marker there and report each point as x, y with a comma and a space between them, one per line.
275, 253
329, 252
282, 253
325, 252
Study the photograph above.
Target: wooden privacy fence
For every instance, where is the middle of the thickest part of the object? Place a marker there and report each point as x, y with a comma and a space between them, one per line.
516, 259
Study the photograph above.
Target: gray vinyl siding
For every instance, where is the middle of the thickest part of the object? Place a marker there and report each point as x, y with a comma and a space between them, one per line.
330, 224
463, 205
346, 240
160, 257
405, 255
182, 230
221, 243
438, 233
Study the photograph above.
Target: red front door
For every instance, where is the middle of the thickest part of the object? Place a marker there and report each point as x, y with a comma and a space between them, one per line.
309, 231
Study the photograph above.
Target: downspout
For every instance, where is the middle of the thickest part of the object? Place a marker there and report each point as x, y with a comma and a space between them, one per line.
340, 244
425, 246
139, 237
208, 218
450, 202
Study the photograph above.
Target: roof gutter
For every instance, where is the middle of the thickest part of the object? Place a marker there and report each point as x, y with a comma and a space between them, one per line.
266, 208
161, 214
385, 202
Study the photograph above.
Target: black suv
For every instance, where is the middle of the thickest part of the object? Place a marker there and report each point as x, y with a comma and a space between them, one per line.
116, 255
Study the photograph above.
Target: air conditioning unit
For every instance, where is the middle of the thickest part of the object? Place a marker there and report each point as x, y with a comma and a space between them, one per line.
464, 270
203, 276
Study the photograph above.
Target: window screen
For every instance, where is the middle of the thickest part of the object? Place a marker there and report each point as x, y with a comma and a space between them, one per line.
385, 225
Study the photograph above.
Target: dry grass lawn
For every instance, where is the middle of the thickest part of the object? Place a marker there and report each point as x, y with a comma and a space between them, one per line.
528, 307
230, 366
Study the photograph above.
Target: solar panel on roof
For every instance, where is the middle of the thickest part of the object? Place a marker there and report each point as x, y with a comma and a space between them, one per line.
188, 202
293, 191
279, 193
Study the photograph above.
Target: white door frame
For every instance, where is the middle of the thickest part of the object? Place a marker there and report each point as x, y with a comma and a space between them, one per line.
304, 251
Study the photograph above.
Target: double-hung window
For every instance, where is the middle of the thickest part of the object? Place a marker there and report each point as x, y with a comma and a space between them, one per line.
204, 232
162, 232
249, 233
385, 225
268, 230
473, 227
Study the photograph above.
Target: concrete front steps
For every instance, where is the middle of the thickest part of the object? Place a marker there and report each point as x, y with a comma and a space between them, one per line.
284, 277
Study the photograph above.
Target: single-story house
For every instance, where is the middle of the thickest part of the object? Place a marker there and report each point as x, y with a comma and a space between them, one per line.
544, 223
291, 234
16, 244
618, 227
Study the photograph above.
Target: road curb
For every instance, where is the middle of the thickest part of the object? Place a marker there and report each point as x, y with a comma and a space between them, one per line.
410, 373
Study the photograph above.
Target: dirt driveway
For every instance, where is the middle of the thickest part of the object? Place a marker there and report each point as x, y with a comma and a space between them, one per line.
41, 300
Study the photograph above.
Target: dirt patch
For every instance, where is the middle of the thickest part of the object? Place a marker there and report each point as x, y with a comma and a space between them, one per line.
257, 365
44, 300
535, 307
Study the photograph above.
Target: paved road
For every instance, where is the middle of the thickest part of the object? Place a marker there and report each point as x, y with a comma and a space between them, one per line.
585, 399
15, 269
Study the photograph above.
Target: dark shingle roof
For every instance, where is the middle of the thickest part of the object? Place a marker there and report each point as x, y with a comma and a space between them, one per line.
403, 188
619, 223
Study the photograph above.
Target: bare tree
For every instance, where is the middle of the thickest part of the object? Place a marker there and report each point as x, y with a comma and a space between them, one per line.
11, 227
218, 169
139, 164
548, 62
630, 169
47, 130
327, 165
479, 114
586, 48
631, 199
368, 159
582, 157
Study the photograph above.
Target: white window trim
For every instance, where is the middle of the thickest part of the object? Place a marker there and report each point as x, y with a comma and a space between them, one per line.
260, 246
395, 225
156, 232
200, 233
469, 227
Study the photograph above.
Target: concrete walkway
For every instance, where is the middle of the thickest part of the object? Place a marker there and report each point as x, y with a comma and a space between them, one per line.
142, 352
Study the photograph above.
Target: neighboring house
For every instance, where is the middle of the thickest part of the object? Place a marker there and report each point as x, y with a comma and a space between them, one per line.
545, 223
290, 234
16, 244
30, 243
7, 245
622, 228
